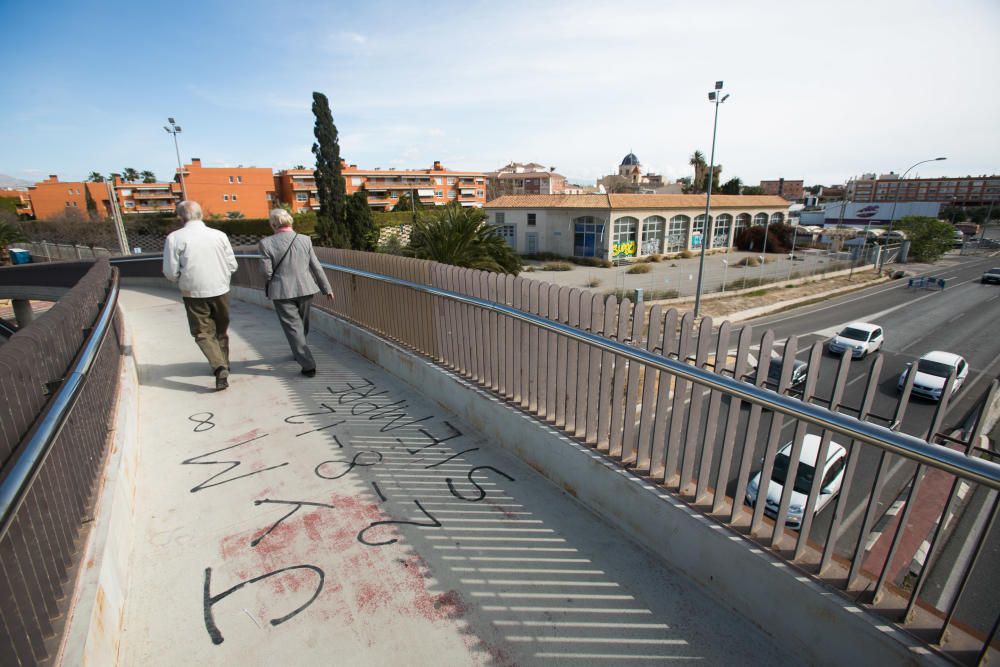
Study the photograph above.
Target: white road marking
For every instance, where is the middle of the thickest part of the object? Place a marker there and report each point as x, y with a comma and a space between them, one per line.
901, 285
853, 515
955, 318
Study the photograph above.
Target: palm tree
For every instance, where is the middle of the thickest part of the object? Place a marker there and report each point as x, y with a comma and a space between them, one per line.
460, 236
130, 175
95, 177
148, 177
700, 168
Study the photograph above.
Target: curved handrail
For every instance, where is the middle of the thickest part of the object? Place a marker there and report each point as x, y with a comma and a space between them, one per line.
15, 484
936, 456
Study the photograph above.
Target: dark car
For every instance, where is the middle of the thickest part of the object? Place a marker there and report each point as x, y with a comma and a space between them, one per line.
992, 276
799, 369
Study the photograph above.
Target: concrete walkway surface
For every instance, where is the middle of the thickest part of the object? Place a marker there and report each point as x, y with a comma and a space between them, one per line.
349, 520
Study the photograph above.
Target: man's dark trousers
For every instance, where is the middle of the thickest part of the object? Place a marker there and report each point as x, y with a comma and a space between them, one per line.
208, 319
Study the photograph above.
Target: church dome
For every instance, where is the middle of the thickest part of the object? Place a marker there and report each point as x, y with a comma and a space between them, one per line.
630, 160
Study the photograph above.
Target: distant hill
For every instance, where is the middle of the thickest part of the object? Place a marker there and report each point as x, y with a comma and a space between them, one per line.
11, 182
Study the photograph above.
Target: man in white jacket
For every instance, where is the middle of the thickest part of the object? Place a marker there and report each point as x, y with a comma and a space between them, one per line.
200, 260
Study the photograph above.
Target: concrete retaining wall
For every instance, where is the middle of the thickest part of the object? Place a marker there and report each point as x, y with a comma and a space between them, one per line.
816, 621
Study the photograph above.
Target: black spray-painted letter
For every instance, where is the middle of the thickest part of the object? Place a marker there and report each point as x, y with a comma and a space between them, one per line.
482, 492
210, 600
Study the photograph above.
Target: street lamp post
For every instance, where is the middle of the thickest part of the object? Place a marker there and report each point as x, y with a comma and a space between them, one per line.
717, 98
899, 186
175, 129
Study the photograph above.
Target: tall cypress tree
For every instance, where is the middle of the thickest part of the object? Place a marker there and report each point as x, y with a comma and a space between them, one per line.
91, 204
331, 223
364, 236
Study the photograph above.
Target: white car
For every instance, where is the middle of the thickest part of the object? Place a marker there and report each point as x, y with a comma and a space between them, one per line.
833, 477
860, 338
932, 372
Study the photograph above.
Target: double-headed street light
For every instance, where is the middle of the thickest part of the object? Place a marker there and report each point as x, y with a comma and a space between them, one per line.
895, 200
175, 129
899, 186
716, 97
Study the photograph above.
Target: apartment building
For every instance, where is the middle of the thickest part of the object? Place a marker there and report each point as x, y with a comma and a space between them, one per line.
22, 202
525, 179
963, 191
224, 190
52, 197
297, 188
436, 186
146, 197
790, 190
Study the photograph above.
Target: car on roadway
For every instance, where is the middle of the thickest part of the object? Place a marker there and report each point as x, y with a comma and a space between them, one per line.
833, 477
861, 338
932, 371
992, 276
798, 376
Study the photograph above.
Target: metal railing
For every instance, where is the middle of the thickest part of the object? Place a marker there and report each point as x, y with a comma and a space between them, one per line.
644, 389
61, 379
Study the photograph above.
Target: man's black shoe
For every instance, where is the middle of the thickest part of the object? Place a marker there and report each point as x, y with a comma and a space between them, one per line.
309, 373
221, 379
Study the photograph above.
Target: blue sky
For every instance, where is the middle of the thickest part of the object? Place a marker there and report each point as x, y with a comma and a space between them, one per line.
574, 85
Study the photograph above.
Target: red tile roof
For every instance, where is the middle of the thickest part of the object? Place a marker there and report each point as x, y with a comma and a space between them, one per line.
619, 202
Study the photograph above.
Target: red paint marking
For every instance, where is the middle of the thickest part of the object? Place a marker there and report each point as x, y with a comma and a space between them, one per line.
245, 436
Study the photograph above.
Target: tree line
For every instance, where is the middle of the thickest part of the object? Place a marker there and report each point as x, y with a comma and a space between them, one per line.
129, 175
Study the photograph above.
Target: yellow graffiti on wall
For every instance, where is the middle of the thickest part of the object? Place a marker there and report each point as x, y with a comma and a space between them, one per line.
623, 249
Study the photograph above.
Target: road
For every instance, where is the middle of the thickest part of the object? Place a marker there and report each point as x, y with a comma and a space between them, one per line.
960, 318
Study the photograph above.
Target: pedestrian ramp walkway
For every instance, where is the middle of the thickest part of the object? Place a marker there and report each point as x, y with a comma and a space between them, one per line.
348, 519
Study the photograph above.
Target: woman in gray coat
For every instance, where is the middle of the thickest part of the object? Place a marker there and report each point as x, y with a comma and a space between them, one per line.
294, 276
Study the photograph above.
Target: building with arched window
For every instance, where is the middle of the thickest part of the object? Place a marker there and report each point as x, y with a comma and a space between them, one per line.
618, 226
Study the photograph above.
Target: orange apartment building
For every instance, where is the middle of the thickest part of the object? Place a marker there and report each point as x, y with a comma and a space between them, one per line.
22, 206
53, 197
254, 191
436, 186
222, 190
297, 188
146, 197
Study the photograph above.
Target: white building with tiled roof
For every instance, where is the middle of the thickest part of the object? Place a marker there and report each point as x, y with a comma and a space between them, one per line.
614, 226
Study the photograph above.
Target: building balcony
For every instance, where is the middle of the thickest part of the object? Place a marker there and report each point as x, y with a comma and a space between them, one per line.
151, 194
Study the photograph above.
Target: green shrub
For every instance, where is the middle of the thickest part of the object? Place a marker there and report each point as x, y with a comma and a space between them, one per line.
592, 261
759, 292
544, 256
640, 268
556, 266
686, 254
594, 282
647, 295
393, 219
745, 283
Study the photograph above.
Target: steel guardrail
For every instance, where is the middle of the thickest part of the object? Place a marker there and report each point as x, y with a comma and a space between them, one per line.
22, 473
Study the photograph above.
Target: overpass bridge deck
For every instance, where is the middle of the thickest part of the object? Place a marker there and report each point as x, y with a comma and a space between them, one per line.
349, 519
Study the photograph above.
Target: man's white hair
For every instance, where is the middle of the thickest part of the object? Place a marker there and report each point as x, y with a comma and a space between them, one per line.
189, 210
279, 217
